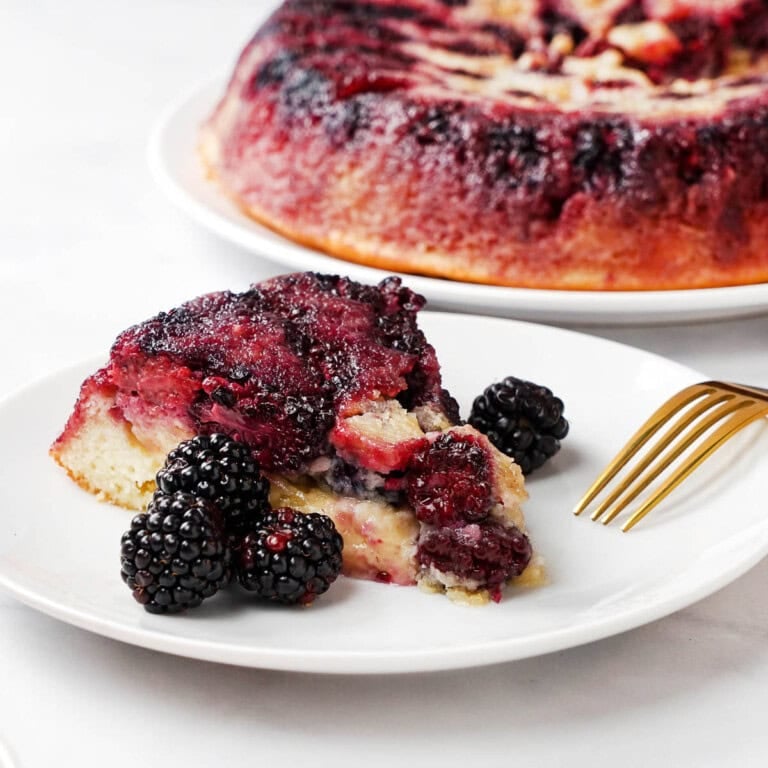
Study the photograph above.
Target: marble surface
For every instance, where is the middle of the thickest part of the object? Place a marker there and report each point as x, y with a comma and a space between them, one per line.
87, 246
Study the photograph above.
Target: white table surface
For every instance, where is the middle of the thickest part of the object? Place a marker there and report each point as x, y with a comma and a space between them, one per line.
88, 246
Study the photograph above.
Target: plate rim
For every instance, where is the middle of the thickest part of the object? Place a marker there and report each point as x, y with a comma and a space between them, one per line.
474, 654
535, 305
380, 662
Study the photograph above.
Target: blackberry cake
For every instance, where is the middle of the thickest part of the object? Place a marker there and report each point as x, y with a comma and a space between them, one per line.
338, 395
567, 144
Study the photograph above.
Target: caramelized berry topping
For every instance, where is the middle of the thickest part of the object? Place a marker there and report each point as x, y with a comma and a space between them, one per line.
275, 366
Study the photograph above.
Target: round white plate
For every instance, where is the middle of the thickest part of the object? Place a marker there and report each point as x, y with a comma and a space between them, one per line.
59, 547
178, 171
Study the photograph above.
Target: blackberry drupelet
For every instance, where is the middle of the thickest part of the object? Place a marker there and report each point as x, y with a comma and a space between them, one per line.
222, 470
174, 555
522, 419
289, 557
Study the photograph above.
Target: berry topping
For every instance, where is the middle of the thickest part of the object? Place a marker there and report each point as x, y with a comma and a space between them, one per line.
289, 557
449, 481
174, 555
522, 419
276, 366
488, 554
222, 470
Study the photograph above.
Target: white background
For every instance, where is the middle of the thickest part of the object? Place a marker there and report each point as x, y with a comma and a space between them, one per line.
89, 246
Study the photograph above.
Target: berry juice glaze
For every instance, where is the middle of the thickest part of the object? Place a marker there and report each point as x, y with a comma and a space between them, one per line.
276, 365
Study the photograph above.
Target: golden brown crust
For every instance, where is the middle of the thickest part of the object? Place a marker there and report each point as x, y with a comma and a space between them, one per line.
104, 457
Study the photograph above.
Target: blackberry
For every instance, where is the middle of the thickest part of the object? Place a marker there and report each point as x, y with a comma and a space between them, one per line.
522, 419
174, 555
221, 470
289, 557
449, 481
488, 553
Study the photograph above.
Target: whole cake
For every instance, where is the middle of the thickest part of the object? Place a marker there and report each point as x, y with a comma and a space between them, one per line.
338, 395
569, 144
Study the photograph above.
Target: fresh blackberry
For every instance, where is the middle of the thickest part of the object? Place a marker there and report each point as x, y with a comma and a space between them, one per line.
289, 557
488, 553
222, 470
174, 555
522, 419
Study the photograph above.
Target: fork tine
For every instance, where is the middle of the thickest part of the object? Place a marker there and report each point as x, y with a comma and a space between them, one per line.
734, 424
683, 421
674, 450
657, 419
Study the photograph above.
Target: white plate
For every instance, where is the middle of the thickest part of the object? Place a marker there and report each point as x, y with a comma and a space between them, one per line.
59, 547
178, 171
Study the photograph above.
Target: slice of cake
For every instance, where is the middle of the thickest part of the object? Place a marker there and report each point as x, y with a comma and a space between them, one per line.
339, 396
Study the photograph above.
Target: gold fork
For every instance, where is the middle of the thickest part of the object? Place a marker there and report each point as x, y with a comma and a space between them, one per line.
720, 406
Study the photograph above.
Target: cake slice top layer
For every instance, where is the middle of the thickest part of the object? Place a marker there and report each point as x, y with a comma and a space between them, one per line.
650, 58
277, 364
